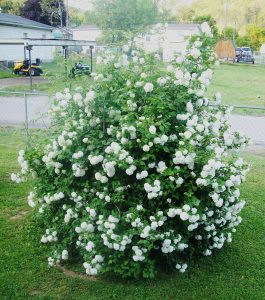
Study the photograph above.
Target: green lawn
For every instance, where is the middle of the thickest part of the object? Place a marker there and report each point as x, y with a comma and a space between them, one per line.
6, 74
55, 84
235, 272
240, 84
54, 72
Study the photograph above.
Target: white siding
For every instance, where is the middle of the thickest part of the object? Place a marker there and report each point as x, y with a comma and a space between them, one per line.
174, 39
16, 52
86, 34
176, 42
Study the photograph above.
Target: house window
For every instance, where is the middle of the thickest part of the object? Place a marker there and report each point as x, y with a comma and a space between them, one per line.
25, 35
43, 36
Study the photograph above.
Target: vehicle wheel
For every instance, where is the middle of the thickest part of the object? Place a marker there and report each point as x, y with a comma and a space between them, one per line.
32, 72
37, 72
253, 62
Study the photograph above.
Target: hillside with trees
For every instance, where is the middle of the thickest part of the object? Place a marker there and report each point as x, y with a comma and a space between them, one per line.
241, 13
241, 20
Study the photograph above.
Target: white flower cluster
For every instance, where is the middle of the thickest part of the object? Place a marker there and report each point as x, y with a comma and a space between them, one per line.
138, 253
95, 265
153, 191
51, 198
19, 177
49, 237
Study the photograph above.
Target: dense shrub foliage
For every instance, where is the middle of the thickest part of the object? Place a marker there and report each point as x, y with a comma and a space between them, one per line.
140, 170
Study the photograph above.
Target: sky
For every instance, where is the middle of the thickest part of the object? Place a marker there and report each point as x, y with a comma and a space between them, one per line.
81, 4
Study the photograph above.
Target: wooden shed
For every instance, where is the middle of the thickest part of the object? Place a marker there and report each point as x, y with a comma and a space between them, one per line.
225, 49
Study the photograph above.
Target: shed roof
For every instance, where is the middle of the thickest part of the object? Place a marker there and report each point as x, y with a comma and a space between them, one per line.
12, 20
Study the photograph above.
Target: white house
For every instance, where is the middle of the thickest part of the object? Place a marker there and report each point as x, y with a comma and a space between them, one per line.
86, 33
174, 38
15, 27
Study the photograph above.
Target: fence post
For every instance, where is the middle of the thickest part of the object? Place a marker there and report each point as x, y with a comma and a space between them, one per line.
26, 117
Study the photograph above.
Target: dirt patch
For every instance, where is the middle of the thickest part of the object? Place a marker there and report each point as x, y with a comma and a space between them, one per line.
19, 215
36, 293
73, 274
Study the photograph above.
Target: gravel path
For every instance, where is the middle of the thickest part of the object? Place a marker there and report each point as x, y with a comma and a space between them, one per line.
12, 112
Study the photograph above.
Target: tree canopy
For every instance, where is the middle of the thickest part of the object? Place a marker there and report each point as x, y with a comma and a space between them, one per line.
50, 12
11, 6
120, 18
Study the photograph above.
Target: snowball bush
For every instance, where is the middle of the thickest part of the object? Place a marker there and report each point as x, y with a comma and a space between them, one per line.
139, 169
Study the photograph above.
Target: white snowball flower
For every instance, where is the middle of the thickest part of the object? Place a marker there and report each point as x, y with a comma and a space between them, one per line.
161, 81
205, 28
90, 96
152, 129
146, 148
148, 87
196, 53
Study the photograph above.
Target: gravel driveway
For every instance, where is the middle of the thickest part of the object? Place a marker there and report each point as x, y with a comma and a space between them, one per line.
15, 81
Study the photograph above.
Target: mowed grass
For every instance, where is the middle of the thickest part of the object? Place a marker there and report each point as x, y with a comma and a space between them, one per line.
235, 272
51, 86
56, 78
6, 74
240, 84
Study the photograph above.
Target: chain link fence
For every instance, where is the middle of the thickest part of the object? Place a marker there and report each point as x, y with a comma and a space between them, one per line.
259, 58
30, 110
24, 109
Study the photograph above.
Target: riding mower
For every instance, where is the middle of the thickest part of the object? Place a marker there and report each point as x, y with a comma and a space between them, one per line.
79, 69
23, 67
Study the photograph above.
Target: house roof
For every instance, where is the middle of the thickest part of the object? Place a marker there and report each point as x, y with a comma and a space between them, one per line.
183, 26
171, 26
12, 20
86, 27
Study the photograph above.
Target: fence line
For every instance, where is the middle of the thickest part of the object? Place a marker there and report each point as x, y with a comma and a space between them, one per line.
23, 93
28, 106
11, 107
259, 58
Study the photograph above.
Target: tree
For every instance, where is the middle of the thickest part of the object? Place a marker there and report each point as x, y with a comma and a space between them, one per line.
230, 33
76, 17
256, 36
32, 10
11, 7
185, 14
210, 20
56, 11
89, 17
242, 41
50, 12
120, 19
